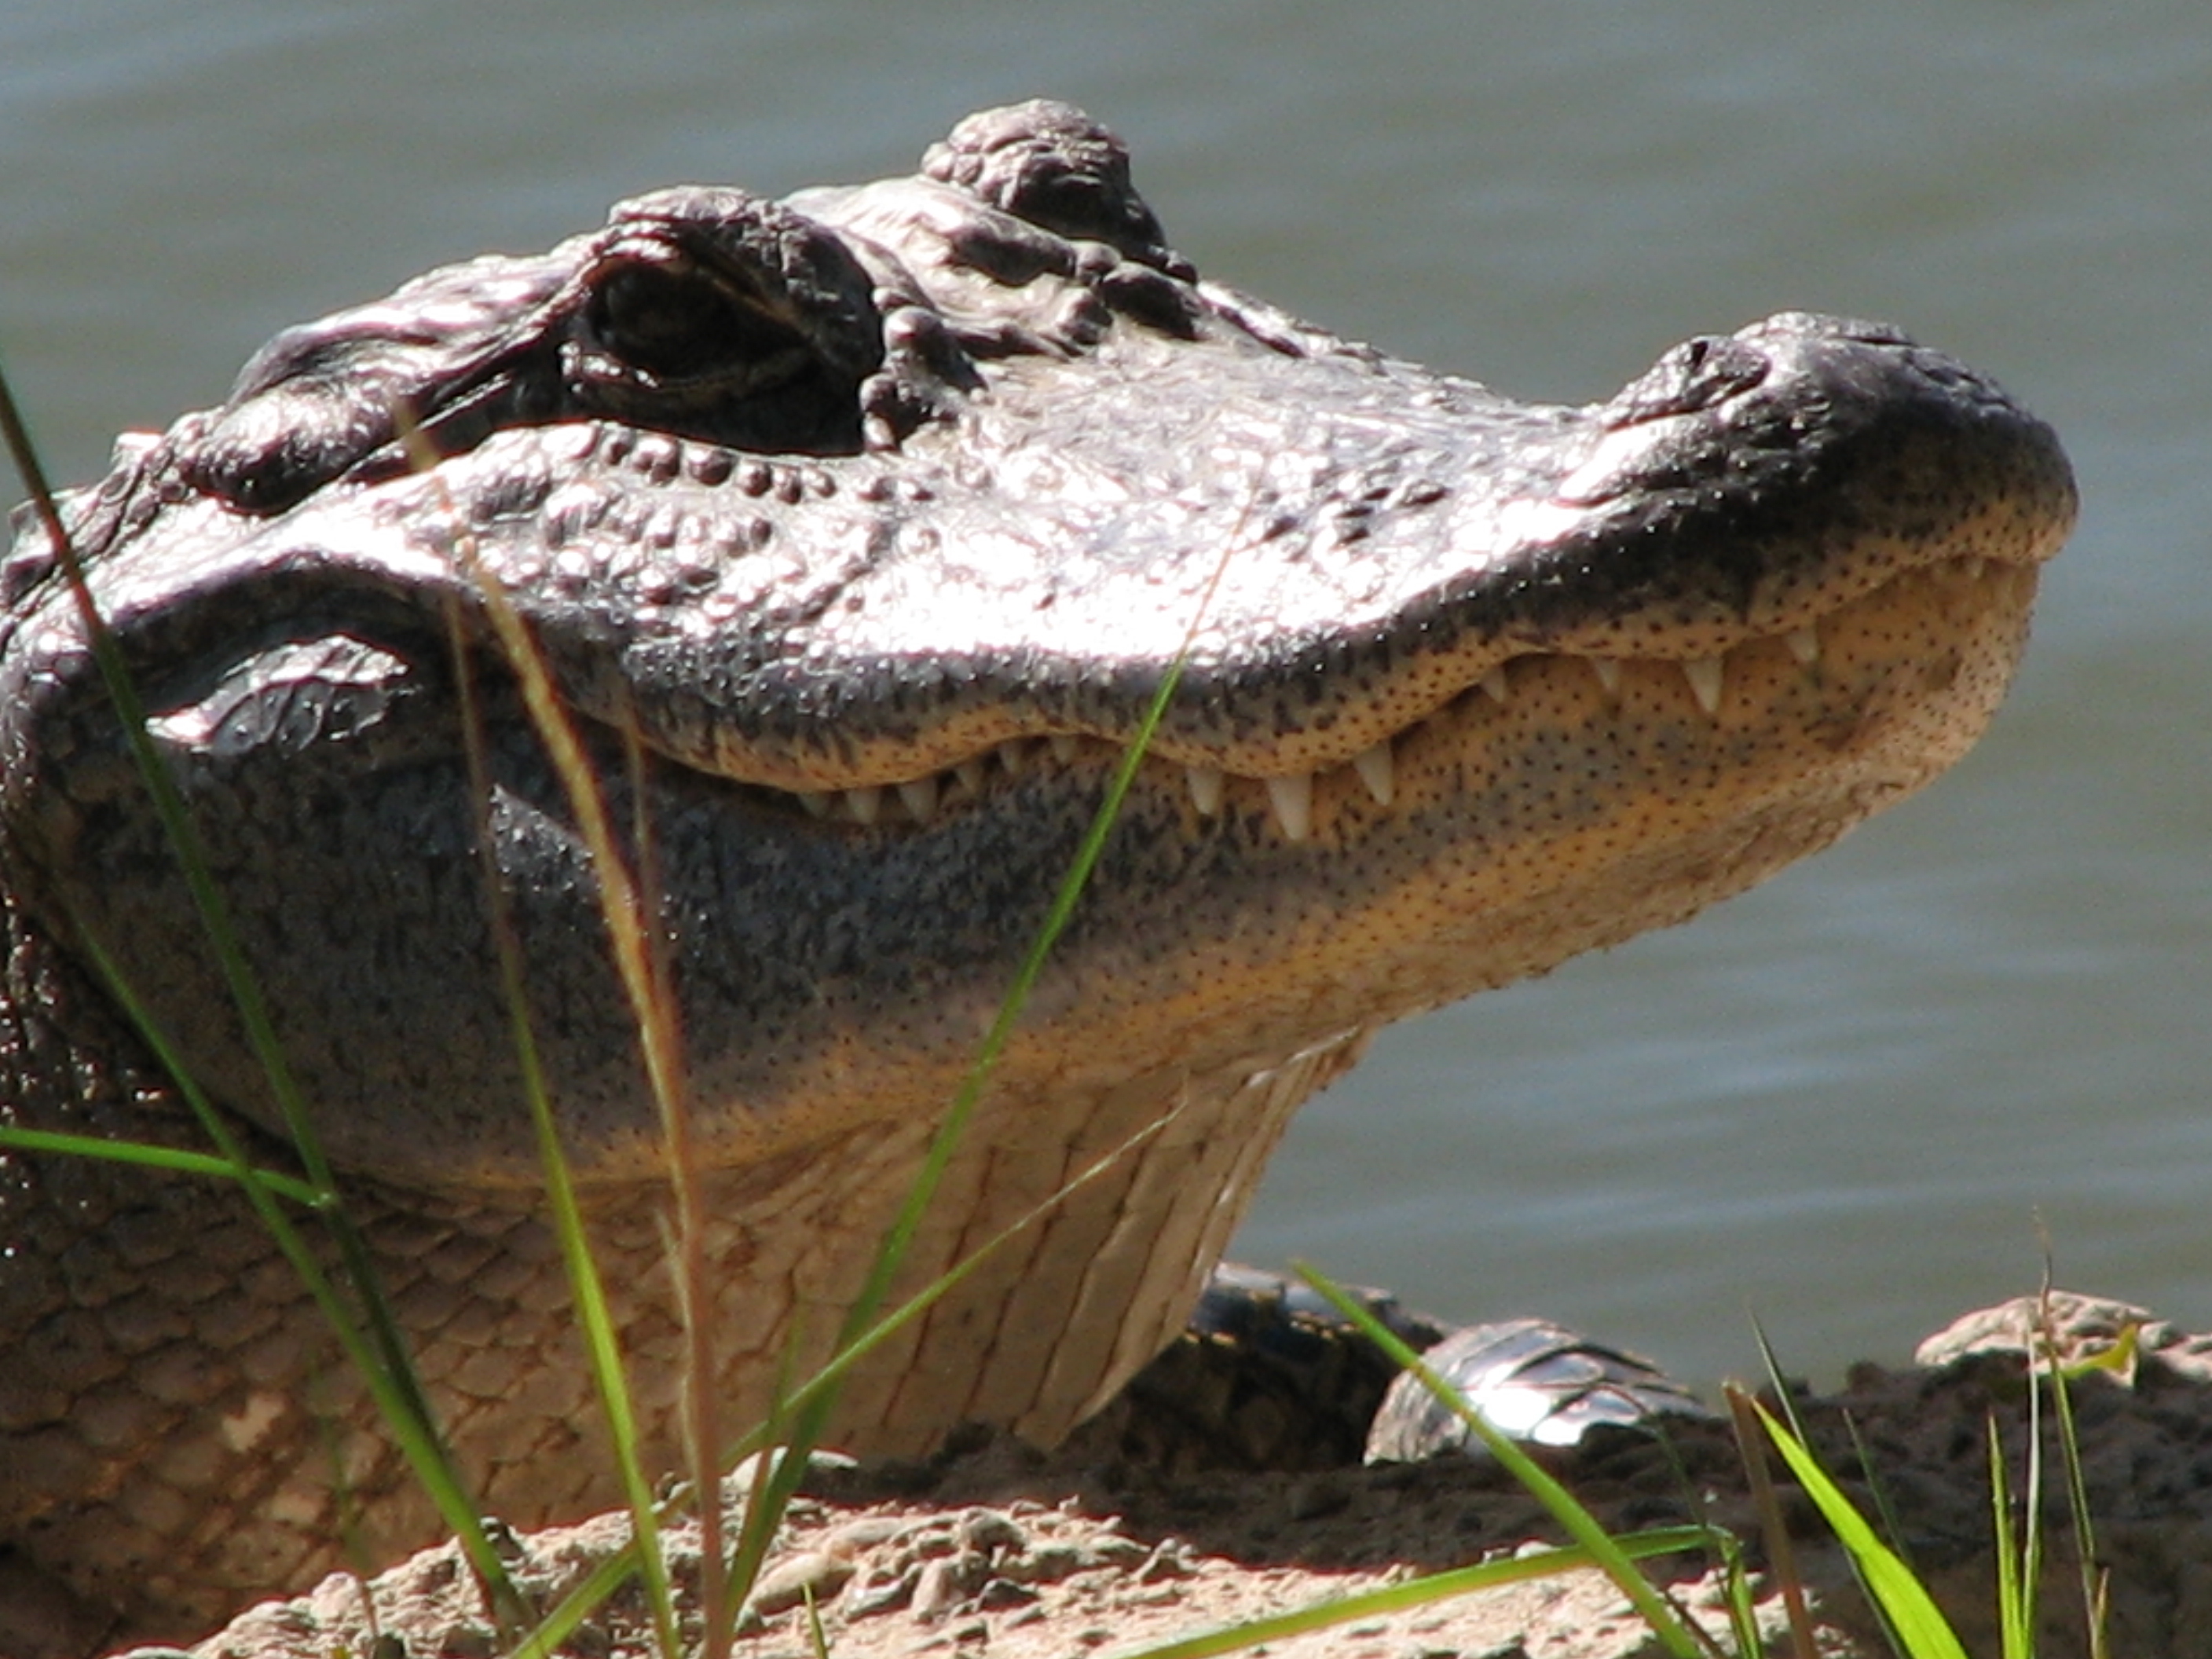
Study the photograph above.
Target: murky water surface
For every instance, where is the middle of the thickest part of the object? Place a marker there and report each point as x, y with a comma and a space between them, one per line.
1852, 1103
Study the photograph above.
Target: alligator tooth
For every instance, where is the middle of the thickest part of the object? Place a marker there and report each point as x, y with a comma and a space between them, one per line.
1494, 685
920, 798
867, 802
1063, 746
1976, 569
1014, 755
970, 772
1206, 789
1704, 674
1294, 802
1804, 645
817, 802
1608, 669
1379, 772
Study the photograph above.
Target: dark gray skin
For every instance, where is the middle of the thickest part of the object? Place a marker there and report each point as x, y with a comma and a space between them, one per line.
877, 517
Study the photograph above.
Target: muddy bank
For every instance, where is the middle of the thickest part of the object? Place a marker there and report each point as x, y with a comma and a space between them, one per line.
995, 1550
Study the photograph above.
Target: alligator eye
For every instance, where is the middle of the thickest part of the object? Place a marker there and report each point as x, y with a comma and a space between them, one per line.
677, 324
710, 315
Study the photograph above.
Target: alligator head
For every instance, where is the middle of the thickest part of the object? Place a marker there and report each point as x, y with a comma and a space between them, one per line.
859, 532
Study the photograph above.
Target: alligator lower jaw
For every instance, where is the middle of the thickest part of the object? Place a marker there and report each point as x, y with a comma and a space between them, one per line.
1940, 640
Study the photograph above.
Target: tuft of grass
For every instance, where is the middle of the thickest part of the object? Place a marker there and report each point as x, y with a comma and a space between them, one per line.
1917, 1628
1910, 1611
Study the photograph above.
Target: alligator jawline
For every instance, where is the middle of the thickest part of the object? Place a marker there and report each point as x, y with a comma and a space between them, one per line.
1695, 686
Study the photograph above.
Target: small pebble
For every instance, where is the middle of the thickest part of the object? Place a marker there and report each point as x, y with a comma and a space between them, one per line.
785, 1584
864, 1532
985, 1529
1115, 1551
938, 1590
1048, 1564
880, 1591
467, 1641
932, 1540
998, 1594
505, 1543
1166, 1562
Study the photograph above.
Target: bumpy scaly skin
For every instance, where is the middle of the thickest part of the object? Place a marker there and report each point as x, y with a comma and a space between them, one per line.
877, 515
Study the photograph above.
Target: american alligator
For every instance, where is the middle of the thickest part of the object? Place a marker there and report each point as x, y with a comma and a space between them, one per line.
857, 531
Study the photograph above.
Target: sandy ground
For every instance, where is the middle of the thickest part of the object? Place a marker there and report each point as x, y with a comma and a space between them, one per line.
994, 1550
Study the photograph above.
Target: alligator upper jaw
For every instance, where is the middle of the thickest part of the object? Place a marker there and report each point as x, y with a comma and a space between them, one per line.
1317, 607
1019, 582
878, 636
1751, 499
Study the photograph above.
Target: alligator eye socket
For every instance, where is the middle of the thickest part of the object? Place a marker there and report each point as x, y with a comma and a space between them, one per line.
679, 324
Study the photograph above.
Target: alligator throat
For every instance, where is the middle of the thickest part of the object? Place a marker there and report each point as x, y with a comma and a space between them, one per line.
859, 532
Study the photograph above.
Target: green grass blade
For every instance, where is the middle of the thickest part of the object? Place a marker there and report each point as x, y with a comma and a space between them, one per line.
602, 1343
1904, 1601
168, 802
1426, 1590
900, 1238
2120, 1359
175, 1159
610, 1573
368, 1328
1788, 1403
781, 1445
2070, 1443
2032, 1518
1886, 1521
592, 1591
400, 1406
811, 1419
817, 1639
1674, 1632
2015, 1587
622, 905
1781, 1551
1742, 1608
207, 898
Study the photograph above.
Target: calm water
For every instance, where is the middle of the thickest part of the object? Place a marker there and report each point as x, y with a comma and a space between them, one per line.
1855, 1101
